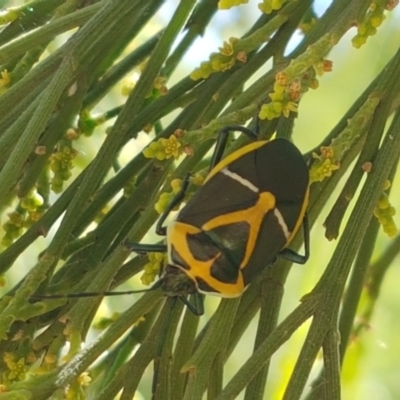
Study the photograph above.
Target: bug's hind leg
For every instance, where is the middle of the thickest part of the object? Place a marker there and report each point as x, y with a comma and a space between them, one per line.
143, 249
160, 229
291, 255
223, 138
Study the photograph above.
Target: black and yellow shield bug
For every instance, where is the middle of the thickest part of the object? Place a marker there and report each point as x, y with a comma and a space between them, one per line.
246, 214
252, 204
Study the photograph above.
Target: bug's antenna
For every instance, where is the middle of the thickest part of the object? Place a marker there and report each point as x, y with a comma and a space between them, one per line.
94, 294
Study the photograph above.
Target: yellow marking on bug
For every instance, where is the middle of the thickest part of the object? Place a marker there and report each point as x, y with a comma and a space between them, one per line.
301, 216
235, 156
252, 215
200, 269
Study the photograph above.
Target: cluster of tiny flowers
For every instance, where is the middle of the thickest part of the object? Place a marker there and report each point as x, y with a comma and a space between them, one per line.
29, 211
197, 179
166, 197
163, 149
49, 362
75, 390
384, 212
287, 92
153, 267
330, 157
17, 369
157, 260
127, 87
32, 204
61, 164
372, 21
267, 6
223, 60
226, 4
324, 165
323, 66
159, 87
13, 228
307, 23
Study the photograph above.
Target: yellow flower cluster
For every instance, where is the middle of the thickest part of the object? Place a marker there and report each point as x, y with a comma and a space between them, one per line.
153, 267
330, 157
323, 66
17, 368
159, 88
288, 91
324, 165
75, 390
307, 23
29, 210
32, 202
228, 54
163, 149
267, 6
226, 4
13, 228
384, 212
373, 19
84, 379
166, 197
61, 164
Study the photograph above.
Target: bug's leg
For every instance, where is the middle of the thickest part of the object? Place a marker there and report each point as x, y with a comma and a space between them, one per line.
223, 138
198, 307
143, 249
292, 255
160, 229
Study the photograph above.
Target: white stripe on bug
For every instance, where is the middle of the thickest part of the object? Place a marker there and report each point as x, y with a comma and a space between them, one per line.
282, 223
241, 180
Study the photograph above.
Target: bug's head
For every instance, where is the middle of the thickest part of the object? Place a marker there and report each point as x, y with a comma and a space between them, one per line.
175, 282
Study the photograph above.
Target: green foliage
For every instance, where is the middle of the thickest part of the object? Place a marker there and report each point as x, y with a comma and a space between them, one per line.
57, 97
